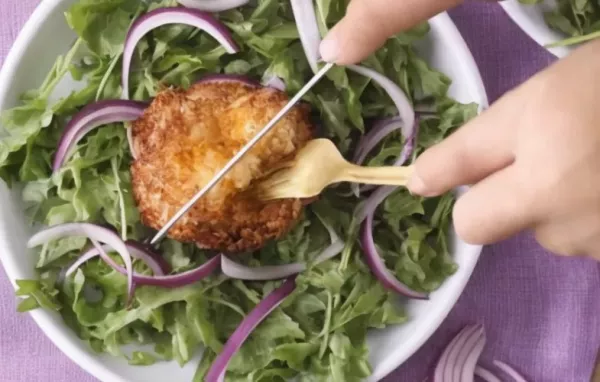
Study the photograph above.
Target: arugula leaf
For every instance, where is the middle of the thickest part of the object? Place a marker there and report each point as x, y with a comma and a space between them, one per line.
140, 358
39, 294
579, 20
103, 24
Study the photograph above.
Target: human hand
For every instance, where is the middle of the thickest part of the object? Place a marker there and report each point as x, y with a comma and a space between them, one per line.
369, 23
534, 160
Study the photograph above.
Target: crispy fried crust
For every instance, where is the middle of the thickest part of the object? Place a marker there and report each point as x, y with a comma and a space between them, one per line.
185, 137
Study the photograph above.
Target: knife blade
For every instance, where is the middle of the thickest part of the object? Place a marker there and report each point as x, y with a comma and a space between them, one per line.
243, 151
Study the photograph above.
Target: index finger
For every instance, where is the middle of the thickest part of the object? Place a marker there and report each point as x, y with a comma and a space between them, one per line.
369, 23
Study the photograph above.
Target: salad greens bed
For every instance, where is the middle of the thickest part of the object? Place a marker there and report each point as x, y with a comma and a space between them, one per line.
578, 19
319, 332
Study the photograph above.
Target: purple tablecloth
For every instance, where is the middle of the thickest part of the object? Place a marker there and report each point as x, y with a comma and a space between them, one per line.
541, 312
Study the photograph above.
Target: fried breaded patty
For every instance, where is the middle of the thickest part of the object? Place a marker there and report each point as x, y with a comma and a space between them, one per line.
185, 137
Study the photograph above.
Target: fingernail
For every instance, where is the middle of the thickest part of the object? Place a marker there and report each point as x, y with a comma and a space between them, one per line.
330, 49
417, 186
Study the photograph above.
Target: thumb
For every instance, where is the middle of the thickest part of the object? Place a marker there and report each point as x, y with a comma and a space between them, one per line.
369, 23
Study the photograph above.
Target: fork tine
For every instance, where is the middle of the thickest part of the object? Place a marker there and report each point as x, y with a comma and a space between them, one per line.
280, 167
271, 183
276, 179
262, 192
266, 195
276, 189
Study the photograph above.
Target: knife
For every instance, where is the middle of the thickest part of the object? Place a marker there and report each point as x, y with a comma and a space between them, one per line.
232, 162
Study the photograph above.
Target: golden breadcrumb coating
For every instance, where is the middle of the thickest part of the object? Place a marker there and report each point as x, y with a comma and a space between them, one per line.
185, 137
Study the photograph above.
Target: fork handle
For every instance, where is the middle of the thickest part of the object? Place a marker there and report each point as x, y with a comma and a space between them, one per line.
384, 175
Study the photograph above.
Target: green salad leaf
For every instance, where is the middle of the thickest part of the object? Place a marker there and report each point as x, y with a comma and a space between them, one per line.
319, 332
577, 19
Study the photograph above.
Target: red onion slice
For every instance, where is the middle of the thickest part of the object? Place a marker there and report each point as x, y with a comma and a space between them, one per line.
164, 16
459, 359
160, 280
406, 121
306, 20
370, 140
469, 356
366, 215
377, 133
509, 371
87, 256
381, 193
274, 272
229, 78
257, 315
213, 5
91, 117
182, 279
378, 267
486, 375
274, 82
405, 109
137, 250
269, 272
148, 255
93, 232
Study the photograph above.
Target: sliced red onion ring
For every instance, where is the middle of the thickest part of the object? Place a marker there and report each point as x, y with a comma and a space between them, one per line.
378, 267
370, 140
469, 356
229, 78
217, 370
148, 255
274, 82
381, 193
509, 371
367, 214
306, 20
87, 256
158, 279
91, 117
94, 233
405, 109
137, 250
486, 375
406, 121
165, 16
274, 272
213, 5
377, 133
459, 359
182, 279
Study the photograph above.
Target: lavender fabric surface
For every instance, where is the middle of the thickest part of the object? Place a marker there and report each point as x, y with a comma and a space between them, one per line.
541, 312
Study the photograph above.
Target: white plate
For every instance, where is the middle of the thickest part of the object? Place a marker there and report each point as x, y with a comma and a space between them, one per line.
530, 18
46, 35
